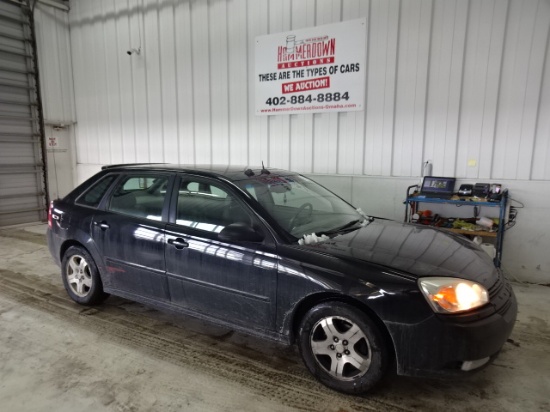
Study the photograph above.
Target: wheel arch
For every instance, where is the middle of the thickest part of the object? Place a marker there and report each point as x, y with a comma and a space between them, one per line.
73, 242
313, 300
96, 292
67, 244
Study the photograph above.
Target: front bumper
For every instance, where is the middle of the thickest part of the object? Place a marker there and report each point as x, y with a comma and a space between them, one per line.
453, 345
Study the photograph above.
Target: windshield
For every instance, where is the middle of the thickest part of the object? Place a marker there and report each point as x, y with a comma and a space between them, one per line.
301, 206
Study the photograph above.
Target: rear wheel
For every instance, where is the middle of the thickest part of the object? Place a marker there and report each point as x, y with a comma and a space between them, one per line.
342, 347
81, 277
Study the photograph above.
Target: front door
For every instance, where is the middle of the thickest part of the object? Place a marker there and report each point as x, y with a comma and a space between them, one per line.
130, 235
235, 282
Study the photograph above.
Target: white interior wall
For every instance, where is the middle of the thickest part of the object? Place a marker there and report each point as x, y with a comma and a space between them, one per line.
55, 64
465, 85
56, 86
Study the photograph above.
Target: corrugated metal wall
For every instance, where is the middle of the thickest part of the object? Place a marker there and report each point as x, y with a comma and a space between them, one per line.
22, 194
465, 84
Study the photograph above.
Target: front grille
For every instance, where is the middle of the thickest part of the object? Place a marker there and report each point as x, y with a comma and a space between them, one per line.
508, 302
500, 294
495, 289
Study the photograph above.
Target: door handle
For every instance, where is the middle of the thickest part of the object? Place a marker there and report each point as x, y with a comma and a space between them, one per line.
102, 225
178, 243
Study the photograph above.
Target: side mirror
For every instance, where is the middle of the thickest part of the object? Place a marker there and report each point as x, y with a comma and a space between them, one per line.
240, 232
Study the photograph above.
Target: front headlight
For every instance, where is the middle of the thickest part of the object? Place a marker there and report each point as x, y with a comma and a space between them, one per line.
452, 295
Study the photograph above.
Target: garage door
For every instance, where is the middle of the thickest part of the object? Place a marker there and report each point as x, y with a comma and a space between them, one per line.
22, 184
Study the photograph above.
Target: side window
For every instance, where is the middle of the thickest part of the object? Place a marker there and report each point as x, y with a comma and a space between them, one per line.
208, 207
92, 197
140, 196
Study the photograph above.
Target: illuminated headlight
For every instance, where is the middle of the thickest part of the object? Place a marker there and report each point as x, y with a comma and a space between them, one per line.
452, 295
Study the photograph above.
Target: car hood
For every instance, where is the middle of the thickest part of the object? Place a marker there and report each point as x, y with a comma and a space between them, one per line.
417, 250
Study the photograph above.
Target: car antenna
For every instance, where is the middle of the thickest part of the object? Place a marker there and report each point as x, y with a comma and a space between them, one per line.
264, 171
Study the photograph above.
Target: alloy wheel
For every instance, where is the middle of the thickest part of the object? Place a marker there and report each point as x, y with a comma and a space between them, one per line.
79, 277
340, 347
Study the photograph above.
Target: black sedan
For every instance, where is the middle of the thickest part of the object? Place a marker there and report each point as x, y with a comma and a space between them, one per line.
274, 254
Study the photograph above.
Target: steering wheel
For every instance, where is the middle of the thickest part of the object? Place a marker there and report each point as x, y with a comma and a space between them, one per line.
294, 222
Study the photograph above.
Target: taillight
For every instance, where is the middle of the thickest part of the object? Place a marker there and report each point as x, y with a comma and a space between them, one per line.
50, 214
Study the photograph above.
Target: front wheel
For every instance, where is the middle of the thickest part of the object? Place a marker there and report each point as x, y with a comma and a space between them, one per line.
81, 277
342, 347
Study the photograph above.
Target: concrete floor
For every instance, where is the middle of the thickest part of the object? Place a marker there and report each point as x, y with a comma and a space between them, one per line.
123, 356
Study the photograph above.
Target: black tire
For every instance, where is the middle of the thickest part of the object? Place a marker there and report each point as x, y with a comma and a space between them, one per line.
81, 277
343, 348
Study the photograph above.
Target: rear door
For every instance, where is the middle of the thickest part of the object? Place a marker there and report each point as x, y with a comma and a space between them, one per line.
236, 282
130, 234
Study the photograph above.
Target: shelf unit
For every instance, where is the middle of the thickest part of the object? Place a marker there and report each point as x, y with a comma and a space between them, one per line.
498, 234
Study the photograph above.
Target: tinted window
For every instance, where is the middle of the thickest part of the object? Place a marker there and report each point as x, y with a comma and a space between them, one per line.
296, 195
208, 207
140, 196
300, 205
92, 197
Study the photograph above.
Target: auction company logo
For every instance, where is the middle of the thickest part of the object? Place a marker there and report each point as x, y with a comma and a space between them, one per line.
308, 52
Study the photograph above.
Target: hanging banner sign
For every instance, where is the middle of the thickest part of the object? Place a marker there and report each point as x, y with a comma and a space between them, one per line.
321, 69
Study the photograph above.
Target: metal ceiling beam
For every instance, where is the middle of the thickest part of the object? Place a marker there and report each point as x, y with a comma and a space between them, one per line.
57, 4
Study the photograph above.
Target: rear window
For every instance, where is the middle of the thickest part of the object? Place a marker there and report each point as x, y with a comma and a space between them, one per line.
92, 197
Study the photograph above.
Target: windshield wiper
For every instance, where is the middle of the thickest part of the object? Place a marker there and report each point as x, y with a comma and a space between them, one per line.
344, 228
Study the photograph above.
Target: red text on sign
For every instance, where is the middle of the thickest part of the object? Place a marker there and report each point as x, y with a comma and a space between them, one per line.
305, 85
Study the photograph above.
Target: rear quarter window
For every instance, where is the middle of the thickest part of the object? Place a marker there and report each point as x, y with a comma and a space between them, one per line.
92, 197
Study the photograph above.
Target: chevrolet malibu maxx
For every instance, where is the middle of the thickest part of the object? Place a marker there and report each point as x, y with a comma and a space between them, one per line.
274, 254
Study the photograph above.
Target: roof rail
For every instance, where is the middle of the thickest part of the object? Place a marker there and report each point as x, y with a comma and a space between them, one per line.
130, 164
